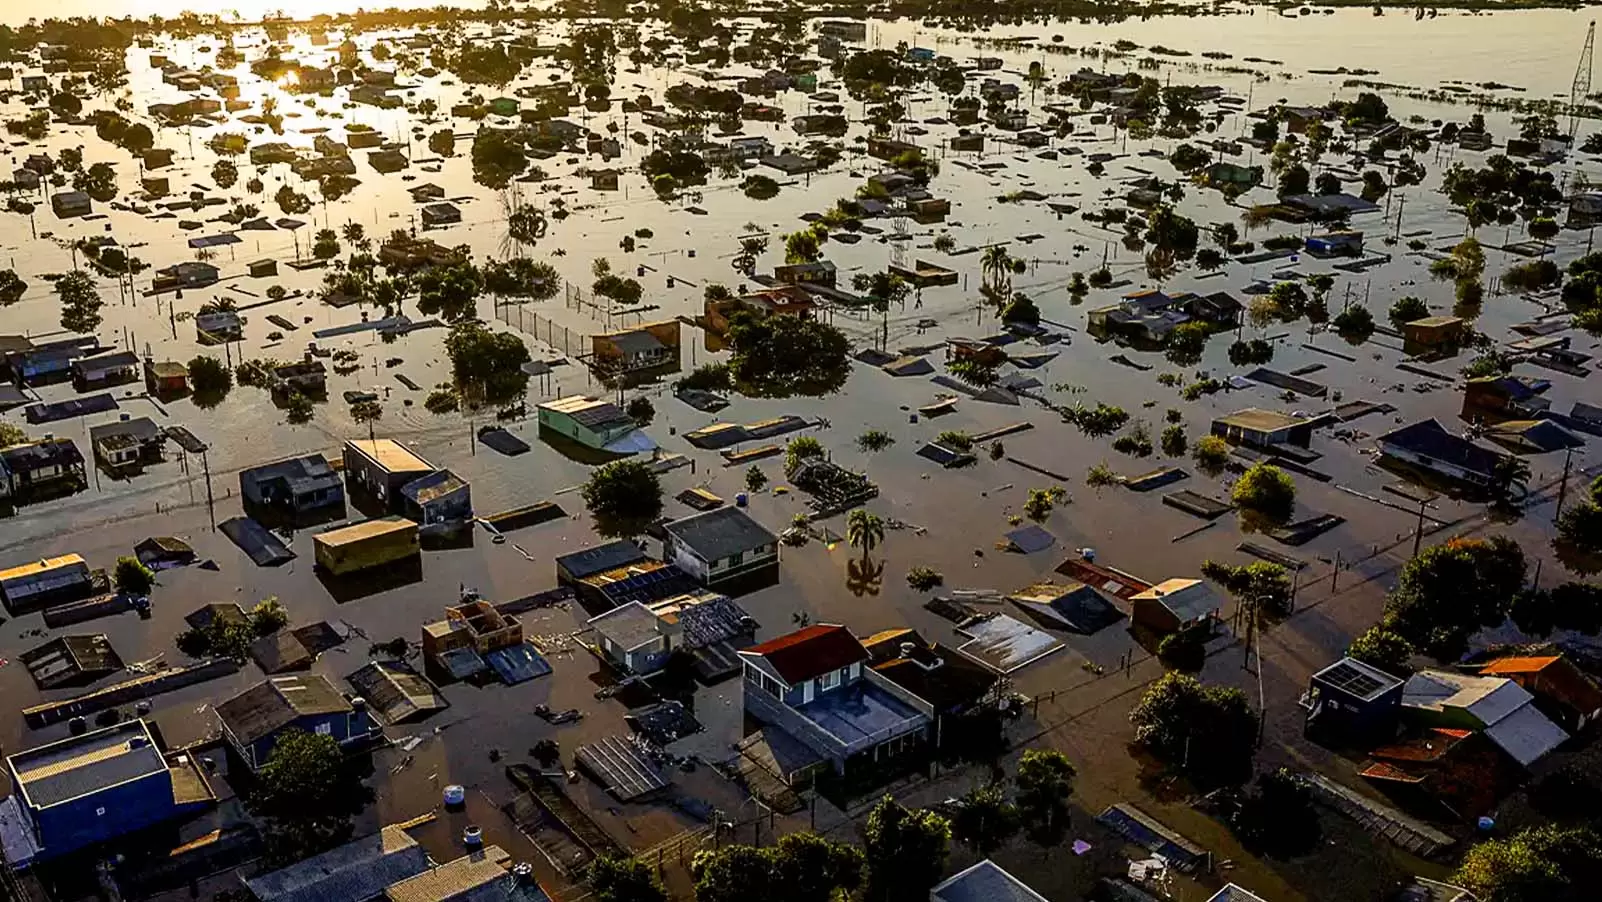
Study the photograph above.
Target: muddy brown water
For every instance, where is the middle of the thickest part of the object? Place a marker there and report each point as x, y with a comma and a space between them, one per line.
962, 513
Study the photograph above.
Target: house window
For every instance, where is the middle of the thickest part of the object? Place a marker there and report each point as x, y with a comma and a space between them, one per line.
736, 559
325, 729
770, 686
829, 681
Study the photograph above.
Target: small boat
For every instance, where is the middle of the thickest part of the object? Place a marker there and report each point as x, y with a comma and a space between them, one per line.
938, 408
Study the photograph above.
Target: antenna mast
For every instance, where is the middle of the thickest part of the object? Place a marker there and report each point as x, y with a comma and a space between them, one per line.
1582, 81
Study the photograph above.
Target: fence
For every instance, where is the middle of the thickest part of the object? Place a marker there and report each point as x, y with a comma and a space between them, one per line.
542, 328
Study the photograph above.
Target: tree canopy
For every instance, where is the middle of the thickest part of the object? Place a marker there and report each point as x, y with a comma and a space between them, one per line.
487, 366
780, 356
1542, 864
307, 794
1451, 591
624, 496
906, 852
802, 867
1208, 731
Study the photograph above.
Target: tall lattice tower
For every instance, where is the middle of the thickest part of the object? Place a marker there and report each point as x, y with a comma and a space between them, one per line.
1582, 81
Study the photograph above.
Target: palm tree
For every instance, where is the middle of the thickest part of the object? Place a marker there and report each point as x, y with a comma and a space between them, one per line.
996, 269
1510, 471
354, 234
864, 530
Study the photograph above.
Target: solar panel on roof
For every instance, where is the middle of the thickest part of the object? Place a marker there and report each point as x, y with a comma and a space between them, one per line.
600, 413
1347, 678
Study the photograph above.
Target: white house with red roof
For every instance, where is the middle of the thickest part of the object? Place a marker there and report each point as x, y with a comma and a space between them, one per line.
816, 686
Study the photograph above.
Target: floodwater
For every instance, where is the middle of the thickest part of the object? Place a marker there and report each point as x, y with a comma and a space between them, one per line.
956, 516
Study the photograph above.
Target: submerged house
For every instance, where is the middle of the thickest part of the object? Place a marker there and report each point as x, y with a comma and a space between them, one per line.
1258, 428
646, 347
88, 789
815, 686
128, 443
47, 465
594, 423
300, 485
440, 501
718, 547
382, 467
1174, 605
253, 720
1500, 708
1562, 690
1353, 703
1427, 445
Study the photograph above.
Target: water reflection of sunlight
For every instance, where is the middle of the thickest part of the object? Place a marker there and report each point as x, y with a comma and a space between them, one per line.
248, 10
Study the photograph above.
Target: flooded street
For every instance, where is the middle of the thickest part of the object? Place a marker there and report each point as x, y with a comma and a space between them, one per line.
954, 520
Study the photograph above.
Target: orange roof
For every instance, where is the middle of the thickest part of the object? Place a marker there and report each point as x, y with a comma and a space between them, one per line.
1432, 746
1505, 666
1382, 771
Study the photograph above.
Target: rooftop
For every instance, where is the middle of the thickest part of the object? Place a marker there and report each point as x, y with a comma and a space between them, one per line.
628, 626
1189, 599
721, 533
390, 455
142, 429
357, 532
861, 712
434, 486
355, 872
472, 877
82, 765
1258, 420
271, 705
1555, 677
587, 562
302, 473
1430, 438
984, 882
1489, 699
810, 652
1359, 679
591, 413
34, 568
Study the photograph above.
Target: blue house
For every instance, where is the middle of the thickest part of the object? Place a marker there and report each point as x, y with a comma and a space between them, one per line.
815, 685
253, 720
1352, 703
93, 788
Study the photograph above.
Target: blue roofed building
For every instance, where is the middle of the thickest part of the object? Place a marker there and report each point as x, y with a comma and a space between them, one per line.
253, 720
815, 684
89, 789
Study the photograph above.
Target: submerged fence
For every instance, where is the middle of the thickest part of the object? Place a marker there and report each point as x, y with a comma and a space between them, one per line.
542, 328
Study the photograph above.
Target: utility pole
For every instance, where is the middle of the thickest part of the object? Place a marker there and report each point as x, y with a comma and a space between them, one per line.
1418, 533
211, 511
1563, 487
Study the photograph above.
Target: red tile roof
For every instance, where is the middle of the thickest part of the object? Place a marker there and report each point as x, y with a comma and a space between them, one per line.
811, 652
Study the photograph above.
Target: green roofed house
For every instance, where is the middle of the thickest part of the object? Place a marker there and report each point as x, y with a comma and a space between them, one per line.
594, 423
